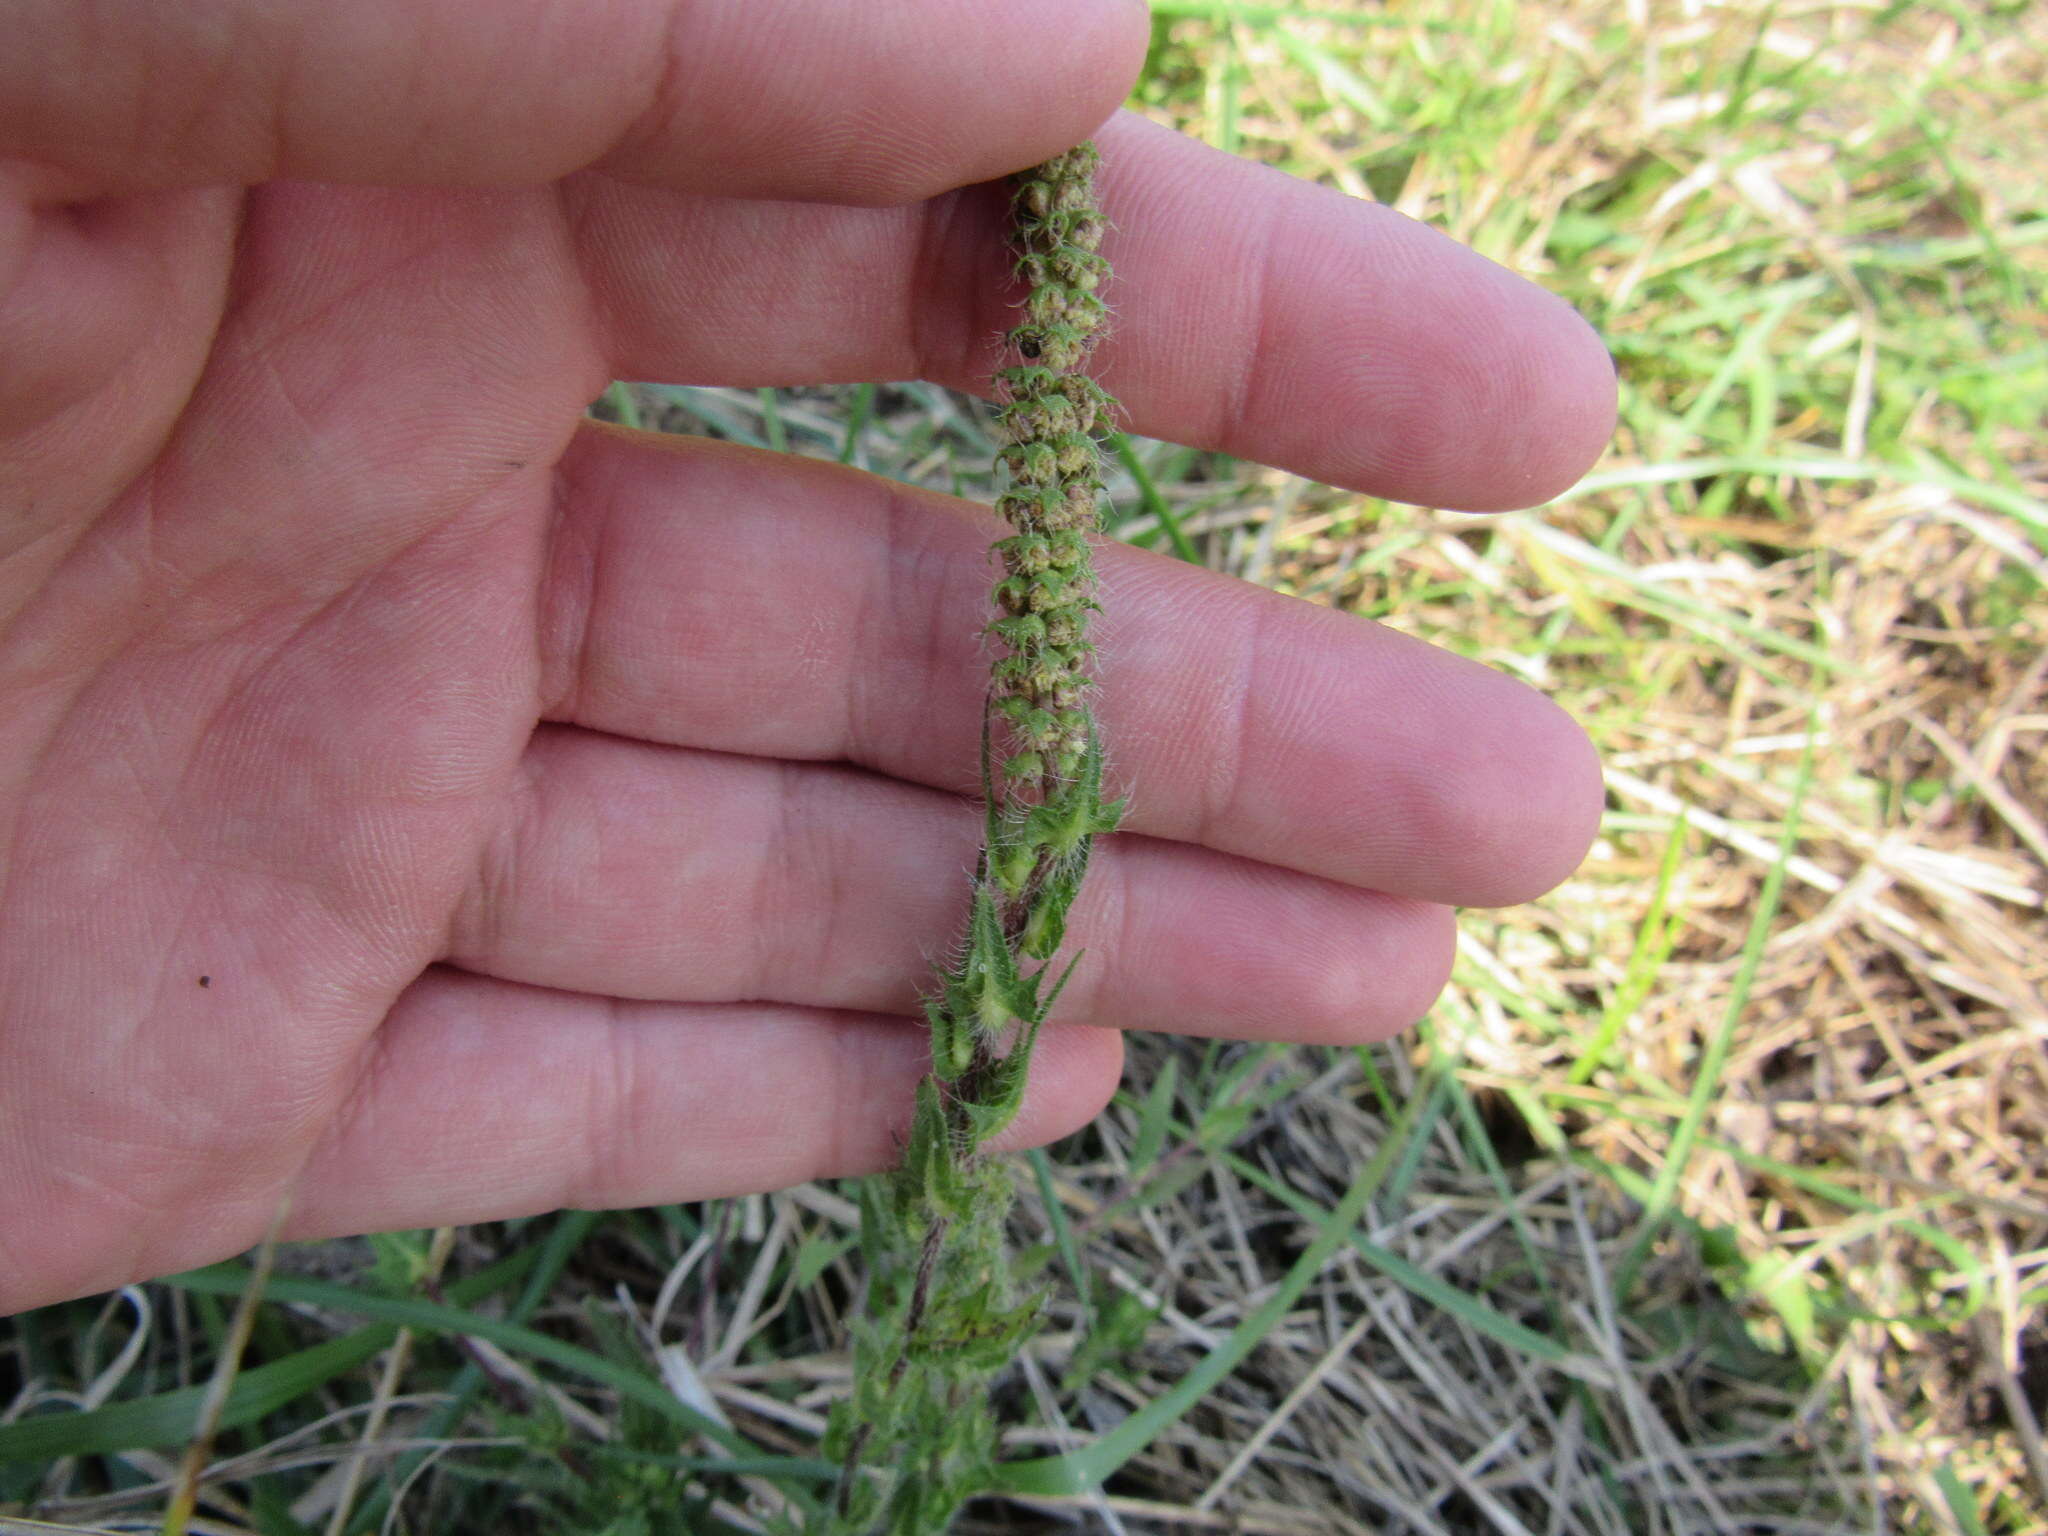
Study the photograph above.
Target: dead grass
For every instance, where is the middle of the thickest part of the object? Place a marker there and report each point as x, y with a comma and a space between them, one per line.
1870, 1185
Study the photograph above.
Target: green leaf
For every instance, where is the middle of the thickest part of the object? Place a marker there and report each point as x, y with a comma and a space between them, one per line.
1024, 630
875, 1197
1045, 929
986, 992
814, 1255
1011, 864
1005, 1095
567, 1233
952, 1049
400, 1260
1119, 1328
1221, 1124
1154, 503
928, 1162
1154, 1116
1783, 1286
1075, 812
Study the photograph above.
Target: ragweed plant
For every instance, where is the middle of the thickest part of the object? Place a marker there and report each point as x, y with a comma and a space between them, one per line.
916, 1436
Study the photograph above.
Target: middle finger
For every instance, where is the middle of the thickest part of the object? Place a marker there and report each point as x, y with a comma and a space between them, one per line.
666, 874
735, 601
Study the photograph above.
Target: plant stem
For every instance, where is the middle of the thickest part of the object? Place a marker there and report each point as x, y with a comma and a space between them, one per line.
916, 1437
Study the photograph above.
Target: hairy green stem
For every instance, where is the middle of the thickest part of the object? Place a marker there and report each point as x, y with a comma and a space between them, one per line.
916, 1438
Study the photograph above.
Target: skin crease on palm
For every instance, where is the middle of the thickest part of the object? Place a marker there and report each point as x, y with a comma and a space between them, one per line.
427, 803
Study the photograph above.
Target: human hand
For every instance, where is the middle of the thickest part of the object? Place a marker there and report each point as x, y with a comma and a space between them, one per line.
422, 800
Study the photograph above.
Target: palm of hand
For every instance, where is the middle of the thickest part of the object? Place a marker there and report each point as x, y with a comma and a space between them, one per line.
436, 808
273, 685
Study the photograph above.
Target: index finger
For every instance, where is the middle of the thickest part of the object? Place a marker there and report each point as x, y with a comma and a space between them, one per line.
1254, 313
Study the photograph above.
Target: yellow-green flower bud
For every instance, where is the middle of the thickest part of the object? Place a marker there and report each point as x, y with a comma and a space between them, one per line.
1021, 630
1047, 591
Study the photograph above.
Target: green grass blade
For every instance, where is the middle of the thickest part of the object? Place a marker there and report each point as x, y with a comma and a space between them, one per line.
1062, 1229
166, 1418
1153, 1118
771, 420
1091, 1466
1263, 15
1962, 1504
563, 1239
439, 1318
1434, 1100
625, 408
1481, 1141
1966, 1269
857, 423
1968, 200
1821, 467
1376, 1080
1654, 940
1338, 79
1755, 337
1150, 499
1227, 87
1479, 1315
1707, 1080
715, 411
1653, 596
